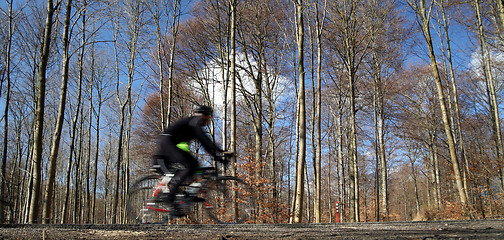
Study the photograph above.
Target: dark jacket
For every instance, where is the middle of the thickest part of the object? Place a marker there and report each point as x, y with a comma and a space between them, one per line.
191, 128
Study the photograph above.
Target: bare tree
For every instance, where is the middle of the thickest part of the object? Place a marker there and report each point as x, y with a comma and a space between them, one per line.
232, 40
386, 37
46, 213
134, 22
454, 95
420, 9
39, 116
350, 40
491, 92
317, 109
10, 15
301, 159
175, 11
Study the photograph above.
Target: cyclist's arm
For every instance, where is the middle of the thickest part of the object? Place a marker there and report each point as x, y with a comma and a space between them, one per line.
203, 138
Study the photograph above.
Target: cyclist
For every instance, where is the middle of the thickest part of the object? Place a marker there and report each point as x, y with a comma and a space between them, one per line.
174, 148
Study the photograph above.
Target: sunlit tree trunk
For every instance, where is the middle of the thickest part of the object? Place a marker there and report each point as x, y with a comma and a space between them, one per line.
456, 121
379, 109
3, 186
72, 148
354, 172
319, 26
89, 154
412, 157
122, 104
313, 137
500, 12
491, 93
351, 38
46, 214
433, 169
224, 45
171, 61
421, 10
78, 184
301, 161
39, 116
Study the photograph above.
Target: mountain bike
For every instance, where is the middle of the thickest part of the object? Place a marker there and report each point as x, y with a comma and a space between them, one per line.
210, 197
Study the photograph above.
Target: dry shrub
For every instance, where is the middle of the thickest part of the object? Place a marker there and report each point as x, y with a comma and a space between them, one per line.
448, 211
269, 209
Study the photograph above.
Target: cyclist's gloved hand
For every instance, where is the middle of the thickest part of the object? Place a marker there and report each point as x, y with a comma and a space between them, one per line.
224, 161
222, 157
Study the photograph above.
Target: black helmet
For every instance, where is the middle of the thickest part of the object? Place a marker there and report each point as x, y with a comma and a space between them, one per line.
205, 110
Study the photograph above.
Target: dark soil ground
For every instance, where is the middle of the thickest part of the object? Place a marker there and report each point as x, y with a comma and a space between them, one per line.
474, 229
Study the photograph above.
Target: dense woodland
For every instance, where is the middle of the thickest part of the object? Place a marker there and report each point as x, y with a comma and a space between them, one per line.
385, 110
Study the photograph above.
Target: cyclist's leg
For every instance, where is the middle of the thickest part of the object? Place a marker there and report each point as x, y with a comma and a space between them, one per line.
189, 165
161, 159
160, 164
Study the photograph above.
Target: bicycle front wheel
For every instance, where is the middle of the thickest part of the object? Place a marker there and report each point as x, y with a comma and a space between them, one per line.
144, 205
229, 200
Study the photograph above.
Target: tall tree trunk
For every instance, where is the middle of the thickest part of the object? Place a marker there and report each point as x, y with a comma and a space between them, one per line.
46, 213
96, 158
340, 161
319, 26
380, 132
455, 99
66, 204
259, 116
73, 137
491, 93
233, 4
125, 118
3, 191
171, 66
232, 40
433, 169
383, 165
437, 171
313, 137
157, 12
425, 24
354, 172
500, 10
301, 161
99, 91
89, 154
78, 194
351, 55
119, 159
415, 182
39, 116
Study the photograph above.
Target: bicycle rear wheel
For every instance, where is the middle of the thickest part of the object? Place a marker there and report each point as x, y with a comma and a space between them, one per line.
142, 206
229, 200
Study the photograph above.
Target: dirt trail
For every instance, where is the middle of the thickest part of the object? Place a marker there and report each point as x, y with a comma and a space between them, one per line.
475, 229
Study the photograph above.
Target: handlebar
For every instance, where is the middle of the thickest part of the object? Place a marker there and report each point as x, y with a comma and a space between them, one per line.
226, 157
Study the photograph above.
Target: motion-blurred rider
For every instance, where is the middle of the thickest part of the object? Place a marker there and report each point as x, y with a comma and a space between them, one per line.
174, 148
